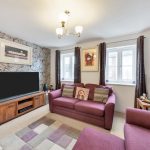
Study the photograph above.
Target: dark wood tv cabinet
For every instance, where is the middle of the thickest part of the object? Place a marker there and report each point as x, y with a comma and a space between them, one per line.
19, 106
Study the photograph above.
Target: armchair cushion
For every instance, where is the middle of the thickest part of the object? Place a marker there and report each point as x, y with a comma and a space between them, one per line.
90, 107
65, 102
91, 139
138, 117
136, 138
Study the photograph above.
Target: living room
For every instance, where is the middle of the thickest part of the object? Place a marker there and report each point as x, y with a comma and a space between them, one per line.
67, 79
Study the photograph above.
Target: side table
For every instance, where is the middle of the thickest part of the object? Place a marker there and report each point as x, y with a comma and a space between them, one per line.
142, 105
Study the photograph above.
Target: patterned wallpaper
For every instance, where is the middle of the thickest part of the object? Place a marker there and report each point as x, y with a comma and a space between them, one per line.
40, 61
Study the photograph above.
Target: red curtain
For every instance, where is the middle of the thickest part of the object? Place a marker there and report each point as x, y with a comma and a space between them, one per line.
140, 70
57, 73
77, 66
102, 53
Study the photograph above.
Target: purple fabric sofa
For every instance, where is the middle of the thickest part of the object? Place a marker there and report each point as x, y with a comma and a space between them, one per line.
89, 111
136, 132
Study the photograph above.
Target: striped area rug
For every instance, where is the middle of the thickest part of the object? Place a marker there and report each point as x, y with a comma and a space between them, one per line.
44, 134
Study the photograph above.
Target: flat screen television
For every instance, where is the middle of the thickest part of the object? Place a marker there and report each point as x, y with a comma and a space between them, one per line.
14, 84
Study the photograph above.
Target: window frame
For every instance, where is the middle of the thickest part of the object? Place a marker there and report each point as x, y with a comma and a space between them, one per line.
62, 61
119, 50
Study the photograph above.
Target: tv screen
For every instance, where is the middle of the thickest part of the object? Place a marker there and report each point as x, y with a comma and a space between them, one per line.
18, 83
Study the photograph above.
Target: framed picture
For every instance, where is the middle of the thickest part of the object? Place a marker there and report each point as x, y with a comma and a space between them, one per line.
89, 60
11, 52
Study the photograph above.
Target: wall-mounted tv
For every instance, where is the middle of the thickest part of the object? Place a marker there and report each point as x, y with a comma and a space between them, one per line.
14, 84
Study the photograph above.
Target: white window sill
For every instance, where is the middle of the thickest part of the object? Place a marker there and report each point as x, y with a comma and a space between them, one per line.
121, 84
67, 80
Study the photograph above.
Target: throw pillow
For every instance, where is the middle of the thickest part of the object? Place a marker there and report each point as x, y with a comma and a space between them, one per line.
68, 91
82, 93
101, 95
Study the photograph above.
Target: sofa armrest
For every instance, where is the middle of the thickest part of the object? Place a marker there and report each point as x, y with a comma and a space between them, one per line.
52, 95
138, 117
109, 111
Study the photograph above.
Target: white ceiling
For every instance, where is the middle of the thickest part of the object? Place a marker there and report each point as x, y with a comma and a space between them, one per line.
36, 20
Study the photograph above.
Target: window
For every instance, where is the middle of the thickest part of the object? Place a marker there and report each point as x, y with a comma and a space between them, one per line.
67, 66
121, 64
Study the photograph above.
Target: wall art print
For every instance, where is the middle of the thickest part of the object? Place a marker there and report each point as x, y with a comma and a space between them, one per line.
89, 61
11, 52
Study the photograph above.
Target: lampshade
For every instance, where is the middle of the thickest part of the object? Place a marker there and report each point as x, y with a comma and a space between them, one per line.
59, 31
78, 29
63, 17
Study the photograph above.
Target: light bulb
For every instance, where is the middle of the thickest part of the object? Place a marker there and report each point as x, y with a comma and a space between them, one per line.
59, 31
63, 17
78, 29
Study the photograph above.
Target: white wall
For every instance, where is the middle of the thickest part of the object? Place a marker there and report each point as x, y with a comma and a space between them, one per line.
124, 94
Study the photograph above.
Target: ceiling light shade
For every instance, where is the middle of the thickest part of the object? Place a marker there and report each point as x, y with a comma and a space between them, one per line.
63, 29
78, 29
59, 31
63, 17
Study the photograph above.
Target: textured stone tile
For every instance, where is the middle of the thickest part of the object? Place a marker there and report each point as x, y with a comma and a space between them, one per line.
71, 145
39, 138
74, 133
11, 142
56, 125
39, 129
45, 145
56, 147
26, 147
36, 141
58, 133
40, 61
23, 132
44, 120
28, 136
64, 141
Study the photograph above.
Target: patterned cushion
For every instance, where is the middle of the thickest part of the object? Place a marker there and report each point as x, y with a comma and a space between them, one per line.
68, 91
101, 95
82, 93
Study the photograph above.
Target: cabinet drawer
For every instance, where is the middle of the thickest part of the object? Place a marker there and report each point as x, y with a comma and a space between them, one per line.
38, 101
10, 111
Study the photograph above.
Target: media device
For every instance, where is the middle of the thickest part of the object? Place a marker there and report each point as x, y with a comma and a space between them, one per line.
14, 84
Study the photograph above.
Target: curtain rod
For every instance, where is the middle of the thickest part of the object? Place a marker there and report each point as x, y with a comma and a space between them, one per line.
122, 40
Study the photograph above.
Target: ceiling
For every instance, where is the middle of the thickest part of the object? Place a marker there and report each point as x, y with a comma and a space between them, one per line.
36, 20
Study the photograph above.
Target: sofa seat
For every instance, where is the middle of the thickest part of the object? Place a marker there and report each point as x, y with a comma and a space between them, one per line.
90, 107
137, 138
91, 139
65, 102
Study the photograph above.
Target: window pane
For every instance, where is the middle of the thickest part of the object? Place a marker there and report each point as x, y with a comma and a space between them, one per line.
121, 64
112, 65
67, 66
127, 60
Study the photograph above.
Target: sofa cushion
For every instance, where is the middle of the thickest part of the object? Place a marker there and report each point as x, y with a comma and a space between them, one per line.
68, 91
90, 139
65, 102
82, 93
75, 85
136, 137
90, 107
101, 95
91, 87
109, 88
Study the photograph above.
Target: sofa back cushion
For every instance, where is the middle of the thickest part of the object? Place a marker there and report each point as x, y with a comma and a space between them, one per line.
101, 95
68, 91
91, 87
75, 85
82, 93
109, 88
